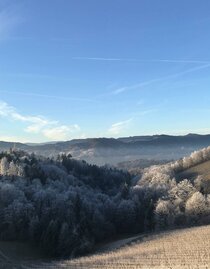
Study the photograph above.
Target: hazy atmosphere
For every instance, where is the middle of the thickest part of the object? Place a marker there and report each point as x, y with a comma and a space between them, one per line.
77, 69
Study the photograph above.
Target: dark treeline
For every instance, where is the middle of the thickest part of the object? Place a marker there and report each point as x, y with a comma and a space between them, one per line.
66, 206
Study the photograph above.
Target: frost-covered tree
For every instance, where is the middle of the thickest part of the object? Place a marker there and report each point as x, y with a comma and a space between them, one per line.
202, 184
4, 166
165, 214
196, 206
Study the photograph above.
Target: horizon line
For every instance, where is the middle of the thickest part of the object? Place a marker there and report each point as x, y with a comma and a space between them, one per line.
105, 137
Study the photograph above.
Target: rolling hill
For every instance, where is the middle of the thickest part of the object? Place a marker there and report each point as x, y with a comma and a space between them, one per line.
102, 151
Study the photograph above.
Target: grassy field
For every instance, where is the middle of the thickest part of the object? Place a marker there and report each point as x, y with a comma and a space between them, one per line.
200, 169
179, 249
187, 248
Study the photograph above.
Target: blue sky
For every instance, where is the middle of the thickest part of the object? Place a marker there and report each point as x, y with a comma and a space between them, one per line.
110, 68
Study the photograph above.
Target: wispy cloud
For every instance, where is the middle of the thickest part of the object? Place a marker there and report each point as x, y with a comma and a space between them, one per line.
184, 61
97, 59
135, 86
145, 112
152, 81
50, 129
178, 61
119, 127
61, 132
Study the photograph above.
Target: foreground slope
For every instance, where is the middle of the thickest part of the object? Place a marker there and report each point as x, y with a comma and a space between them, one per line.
186, 248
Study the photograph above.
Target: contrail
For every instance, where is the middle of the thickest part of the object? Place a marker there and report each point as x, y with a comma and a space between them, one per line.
142, 60
97, 59
149, 82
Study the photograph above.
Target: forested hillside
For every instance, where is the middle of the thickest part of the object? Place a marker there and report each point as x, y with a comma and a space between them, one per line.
61, 205
65, 206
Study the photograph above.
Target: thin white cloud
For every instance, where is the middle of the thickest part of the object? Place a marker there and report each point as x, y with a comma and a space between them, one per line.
97, 59
119, 127
145, 112
152, 81
50, 129
36, 122
179, 61
135, 86
142, 60
61, 132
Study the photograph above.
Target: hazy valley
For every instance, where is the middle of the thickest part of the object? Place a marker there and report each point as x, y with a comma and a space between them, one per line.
112, 151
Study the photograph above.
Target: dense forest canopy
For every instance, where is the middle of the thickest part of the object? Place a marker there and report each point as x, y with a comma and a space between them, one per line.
65, 206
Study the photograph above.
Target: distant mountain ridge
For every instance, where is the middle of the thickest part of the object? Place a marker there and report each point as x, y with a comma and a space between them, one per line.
112, 151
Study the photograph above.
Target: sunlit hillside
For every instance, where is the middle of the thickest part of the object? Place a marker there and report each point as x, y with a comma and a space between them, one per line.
178, 249
200, 169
